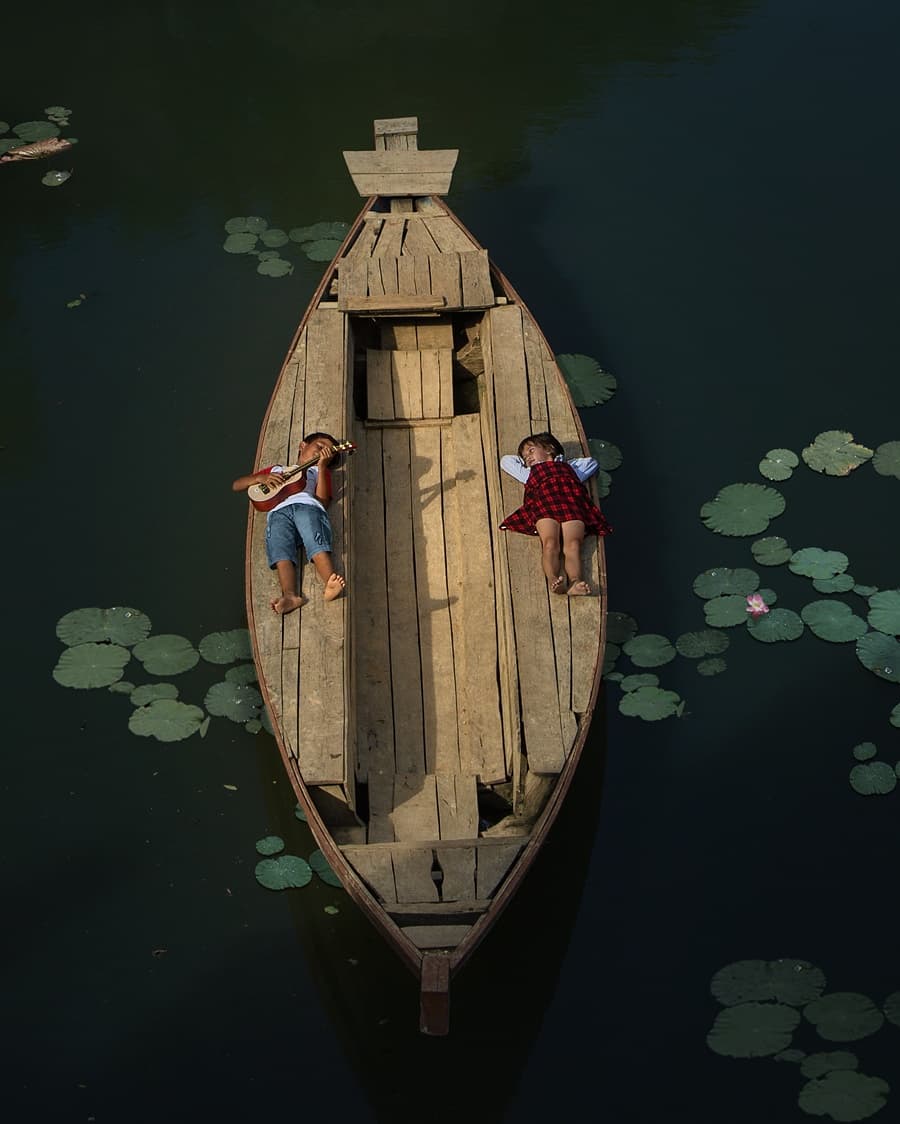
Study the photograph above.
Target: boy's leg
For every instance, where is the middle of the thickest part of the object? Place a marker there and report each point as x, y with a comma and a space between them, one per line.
282, 543
548, 533
290, 599
573, 537
315, 529
334, 583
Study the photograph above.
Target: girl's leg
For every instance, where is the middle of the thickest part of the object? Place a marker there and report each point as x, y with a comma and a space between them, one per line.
572, 538
334, 583
548, 533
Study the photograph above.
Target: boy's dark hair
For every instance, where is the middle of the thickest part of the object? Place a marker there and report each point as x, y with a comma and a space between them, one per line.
314, 436
546, 440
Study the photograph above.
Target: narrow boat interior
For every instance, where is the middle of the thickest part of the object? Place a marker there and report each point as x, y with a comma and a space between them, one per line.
430, 711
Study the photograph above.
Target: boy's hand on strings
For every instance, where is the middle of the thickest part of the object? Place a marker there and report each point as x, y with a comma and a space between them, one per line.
326, 456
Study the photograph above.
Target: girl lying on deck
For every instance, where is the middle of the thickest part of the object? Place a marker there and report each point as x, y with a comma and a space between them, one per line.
557, 508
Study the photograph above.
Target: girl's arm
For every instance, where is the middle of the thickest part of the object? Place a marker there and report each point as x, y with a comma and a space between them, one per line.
584, 467
515, 466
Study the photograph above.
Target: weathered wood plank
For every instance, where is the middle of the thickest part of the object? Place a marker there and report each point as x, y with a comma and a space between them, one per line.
458, 865
412, 875
441, 908
422, 274
406, 377
537, 394
398, 335
394, 303
389, 278
415, 813
381, 802
373, 282
290, 692
480, 843
431, 384
457, 805
390, 238
365, 241
492, 865
392, 126
375, 868
417, 240
477, 290
445, 379
424, 162
445, 278
379, 385
401, 182
448, 235
406, 276
353, 277
436, 936
435, 334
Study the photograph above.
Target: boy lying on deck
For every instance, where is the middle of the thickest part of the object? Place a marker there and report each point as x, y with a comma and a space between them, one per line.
300, 520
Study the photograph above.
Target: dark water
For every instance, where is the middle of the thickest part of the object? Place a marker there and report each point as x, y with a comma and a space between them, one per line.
701, 195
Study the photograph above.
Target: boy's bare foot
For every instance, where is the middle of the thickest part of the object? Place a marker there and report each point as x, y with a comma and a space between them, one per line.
287, 603
334, 587
558, 584
579, 589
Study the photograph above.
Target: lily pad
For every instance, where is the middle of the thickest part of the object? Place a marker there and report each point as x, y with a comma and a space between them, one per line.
742, 509
844, 1016
880, 654
299, 813
772, 550
226, 647
86, 666
323, 249
589, 383
813, 562
620, 627
840, 583
714, 666
895, 716
607, 455
844, 1095
610, 655
778, 464
238, 701
777, 624
275, 267
243, 673
6, 143
320, 865
795, 982
55, 178
167, 654
725, 612
319, 230
149, 692
695, 645
864, 751
4, 126
649, 650
833, 620
30, 131
892, 1008
875, 778
273, 238
122, 687
835, 453
723, 580
649, 703
119, 625
239, 243
270, 845
753, 1030
865, 590
886, 460
884, 611
633, 682
287, 872
817, 1065
166, 720
57, 111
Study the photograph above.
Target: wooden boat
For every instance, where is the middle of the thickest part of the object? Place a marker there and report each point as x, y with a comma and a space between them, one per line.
430, 720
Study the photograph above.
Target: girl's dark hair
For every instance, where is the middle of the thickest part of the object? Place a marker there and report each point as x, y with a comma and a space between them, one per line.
545, 440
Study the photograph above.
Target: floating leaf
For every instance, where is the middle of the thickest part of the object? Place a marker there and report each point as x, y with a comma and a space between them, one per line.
86, 666
299, 813
886, 460
273, 238
589, 383
844, 1016
884, 611
604, 483
864, 751
226, 647
321, 866
649, 703
789, 1056
844, 1095
331, 909
243, 673
239, 243
892, 1008
141, 696
166, 720
4, 126
865, 590
57, 111
723, 580
204, 726
607, 455
880, 654
777, 624
238, 701
835, 453
633, 682
753, 1030
895, 716
123, 687
610, 655
709, 642
119, 625
742, 509
319, 230
840, 583
275, 267
284, 873
833, 620
817, 1065
873, 779
270, 845
770, 551
167, 654
778, 464
795, 982
30, 131
711, 667
725, 612
813, 562
323, 249
620, 627
649, 650
55, 178
253, 726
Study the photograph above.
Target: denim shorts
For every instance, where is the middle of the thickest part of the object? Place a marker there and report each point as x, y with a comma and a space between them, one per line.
287, 528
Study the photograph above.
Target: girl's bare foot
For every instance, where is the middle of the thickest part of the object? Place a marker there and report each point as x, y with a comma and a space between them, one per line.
287, 603
334, 587
558, 584
579, 589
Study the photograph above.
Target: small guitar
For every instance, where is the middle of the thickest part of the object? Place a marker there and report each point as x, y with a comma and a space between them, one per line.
293, 479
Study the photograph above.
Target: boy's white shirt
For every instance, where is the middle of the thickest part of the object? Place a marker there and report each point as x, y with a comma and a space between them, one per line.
306, 494
515, 466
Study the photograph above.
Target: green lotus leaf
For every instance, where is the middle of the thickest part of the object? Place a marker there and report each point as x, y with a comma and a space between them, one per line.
270, 845
813, 562
770, 551
649, 650
886, 461
321, 866
243, 673
884, 611
742, 509
865, 590
323, 249
833, 620
649, 703
253, 726
275, 267
167, 654
4, 126
633, 682
589, 383
844, 1095
844, 1016
864, 751
789, 1056
895, 716
269, 255
753, 1030
119, 625
817, 1065
769, 596
266, 720
6, 143
318, 231
85, 666
778, 464
299, 813
166, 720
835, 453
795, 982
123, 687
610, 655
287, 872
620, 627
603, 481
204, 726
723, 580
714, 666
607, 455
54, 179
876, 778
30, 131
57, 111
226, 647
695, 645
273, 238
238, 701
141, 696
892, 1008
610, 676
725, 612
777, 624
239, 243
840, 583
880, 654
238, 225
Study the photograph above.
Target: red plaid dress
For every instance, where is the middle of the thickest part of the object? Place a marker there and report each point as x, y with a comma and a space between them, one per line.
553, 491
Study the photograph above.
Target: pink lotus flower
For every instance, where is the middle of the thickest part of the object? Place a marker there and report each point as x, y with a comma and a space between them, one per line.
756, 607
